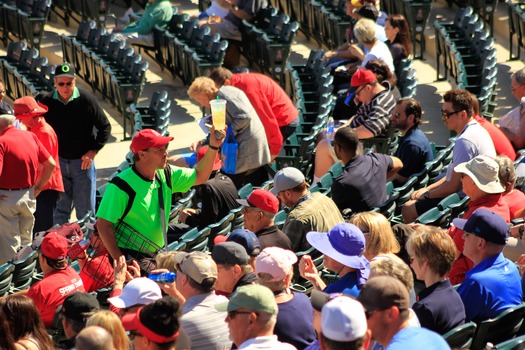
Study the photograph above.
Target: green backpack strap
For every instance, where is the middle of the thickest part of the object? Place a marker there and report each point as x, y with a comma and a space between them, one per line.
124, 186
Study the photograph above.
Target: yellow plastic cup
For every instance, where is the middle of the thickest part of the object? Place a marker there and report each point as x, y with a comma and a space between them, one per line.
218, 113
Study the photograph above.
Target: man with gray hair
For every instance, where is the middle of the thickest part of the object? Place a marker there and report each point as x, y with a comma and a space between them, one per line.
511, 123
20, 184
94, 338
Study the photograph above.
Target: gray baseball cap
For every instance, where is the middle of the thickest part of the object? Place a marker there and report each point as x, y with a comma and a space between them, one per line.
286, 179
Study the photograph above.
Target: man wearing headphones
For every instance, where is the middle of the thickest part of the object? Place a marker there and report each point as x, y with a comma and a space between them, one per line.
414, 149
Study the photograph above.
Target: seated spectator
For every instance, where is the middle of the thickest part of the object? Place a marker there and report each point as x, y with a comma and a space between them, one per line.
376, 102
507, 177
343, 248
414, 149
94, 338
111, 323
473, 140
381, 242
253, 153
511, 123
274, 268
343, 325
25, 323
196, 279
439, 306
480, 181
138, 292
493, 284
156, 324
247, 239
259, 211
308, 211
386, 304
77, 308
399, 39
371, 12
348, 189
5, 107
252, 314
318, 299
157, 13
233, 267
218, 196
59, 280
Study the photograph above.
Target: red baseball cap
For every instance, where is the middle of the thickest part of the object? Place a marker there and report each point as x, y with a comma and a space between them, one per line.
27, 107
264, 200
202, 151
362, 77
148, 138
133, 322
54, 246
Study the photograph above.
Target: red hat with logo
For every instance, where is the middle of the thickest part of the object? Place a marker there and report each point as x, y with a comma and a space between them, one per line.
362, 77
148, 138
202, 151
27, 107
264, 200
54, 246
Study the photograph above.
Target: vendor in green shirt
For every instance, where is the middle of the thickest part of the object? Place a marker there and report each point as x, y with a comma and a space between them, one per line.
129, 218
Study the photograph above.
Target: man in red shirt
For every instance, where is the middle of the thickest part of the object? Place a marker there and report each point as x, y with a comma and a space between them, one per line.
21, 155
480, 181
273, 106
59, 280
29, 112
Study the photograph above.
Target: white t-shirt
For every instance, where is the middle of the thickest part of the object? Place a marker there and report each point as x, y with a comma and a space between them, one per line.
380, 52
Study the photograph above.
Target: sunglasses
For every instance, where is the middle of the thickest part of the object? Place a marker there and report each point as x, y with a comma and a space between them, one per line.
231, 314
2, 91
62, 84
445, 115
133, 334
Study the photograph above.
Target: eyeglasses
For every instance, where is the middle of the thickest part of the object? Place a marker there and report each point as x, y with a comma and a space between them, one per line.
359, 89
250, 210
397, 115
62, 84
2, 91
231, 314
445, 115
369, 314
133, 334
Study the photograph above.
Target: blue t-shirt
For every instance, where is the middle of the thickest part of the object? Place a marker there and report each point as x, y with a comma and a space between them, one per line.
294, 322
417, 338
414, 151
346, 284
490, 288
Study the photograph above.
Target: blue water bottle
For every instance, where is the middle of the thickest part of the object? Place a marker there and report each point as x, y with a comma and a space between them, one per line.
165, 277
330, 128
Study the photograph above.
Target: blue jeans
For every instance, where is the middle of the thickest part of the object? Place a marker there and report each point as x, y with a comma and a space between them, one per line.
79, 190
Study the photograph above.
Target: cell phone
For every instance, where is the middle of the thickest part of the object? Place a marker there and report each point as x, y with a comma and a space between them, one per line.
208, 126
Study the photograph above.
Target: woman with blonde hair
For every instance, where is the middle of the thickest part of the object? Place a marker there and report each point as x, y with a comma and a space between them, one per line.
110, 322
380, 239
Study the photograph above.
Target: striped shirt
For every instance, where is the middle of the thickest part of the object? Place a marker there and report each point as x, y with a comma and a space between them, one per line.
375, 116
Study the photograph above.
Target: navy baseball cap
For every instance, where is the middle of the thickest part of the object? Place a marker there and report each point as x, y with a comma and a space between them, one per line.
485, 224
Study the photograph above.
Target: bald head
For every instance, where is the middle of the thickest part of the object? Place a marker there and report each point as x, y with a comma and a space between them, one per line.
94, 338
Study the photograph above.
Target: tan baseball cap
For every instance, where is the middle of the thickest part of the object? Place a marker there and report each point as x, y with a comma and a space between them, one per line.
197, 265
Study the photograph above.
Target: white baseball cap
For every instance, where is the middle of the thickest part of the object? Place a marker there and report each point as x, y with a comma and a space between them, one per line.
139, 291
343, 319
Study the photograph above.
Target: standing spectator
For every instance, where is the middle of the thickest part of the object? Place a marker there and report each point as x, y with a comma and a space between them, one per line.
252, 314
386, 304
76, 310
77, 143
19, 184
94, 338
122, 216
196, 278
399, 39
111, 323
259, 211
253, 153
439, 306
273, 106
493, 284
60, 280
473, 140
156, 13
348, 189
29, 112
343, 248
155, 326
294, 324
308, 211
414, 149
511, 123
343, 325
25, 322
5, 108
233, 267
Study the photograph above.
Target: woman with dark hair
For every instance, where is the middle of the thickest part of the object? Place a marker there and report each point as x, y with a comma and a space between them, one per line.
6, 338
399, 40
25, 323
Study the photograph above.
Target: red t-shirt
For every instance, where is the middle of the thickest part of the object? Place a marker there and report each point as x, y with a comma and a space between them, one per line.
501, 142
516, 201
47, 136
492, 202
50, 293
270, 101
20, 156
